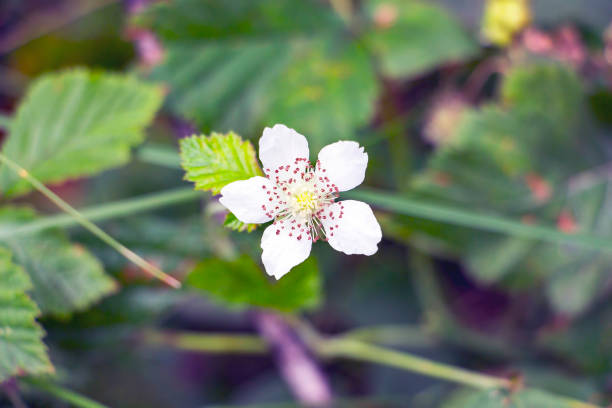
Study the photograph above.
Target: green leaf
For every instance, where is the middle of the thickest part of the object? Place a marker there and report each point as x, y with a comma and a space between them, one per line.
515, 159
223, 58
22, 351
410, 37
65, 276
235, 224
191, 20
548, 90
77, 123
241, 282
222, 86
214, 161
327, 93
531, 398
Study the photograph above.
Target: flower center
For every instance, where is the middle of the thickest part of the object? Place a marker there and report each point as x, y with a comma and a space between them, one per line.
305, 202
299, 199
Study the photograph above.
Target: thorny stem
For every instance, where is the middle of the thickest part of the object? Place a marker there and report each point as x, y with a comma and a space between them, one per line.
93, 228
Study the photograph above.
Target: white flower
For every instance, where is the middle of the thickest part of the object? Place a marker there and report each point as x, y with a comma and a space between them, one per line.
301, 198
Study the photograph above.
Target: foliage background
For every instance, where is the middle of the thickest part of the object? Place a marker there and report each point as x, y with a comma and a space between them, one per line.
519, 128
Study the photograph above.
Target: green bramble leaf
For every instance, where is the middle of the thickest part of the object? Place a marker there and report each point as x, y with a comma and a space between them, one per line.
516, 158
222, 58
22, 351
530, 397
242, 283
214, 161
410, 37
65, 277
328, 92
76, 123
235, 224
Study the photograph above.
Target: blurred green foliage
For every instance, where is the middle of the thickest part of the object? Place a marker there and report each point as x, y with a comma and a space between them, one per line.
520, 130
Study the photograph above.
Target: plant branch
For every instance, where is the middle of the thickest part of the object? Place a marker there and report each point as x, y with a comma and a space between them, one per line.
486, 222
402, 204
209, 343
106, 211
358, 350
63, 394
93, 228
342, 346
5, 121
11, 389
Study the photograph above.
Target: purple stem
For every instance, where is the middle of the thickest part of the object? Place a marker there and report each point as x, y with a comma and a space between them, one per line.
297, 366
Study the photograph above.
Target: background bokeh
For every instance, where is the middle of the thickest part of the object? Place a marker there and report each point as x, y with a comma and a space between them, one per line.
501, 108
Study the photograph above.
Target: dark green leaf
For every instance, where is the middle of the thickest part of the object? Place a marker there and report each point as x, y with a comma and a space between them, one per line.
242, 282
411, 36
327, 93
22, 351
65, 276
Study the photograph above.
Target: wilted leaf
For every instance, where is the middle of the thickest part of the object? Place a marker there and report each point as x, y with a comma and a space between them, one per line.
242, 282
22, 351
76, 123
65, 277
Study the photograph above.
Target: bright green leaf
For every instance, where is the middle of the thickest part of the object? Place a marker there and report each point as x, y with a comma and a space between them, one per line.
22, 351
77, 123
410, 37
214, 161
235, 224
65, 276
242, 282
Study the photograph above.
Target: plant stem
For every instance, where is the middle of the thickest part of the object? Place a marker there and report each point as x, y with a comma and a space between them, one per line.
357, 350
470, 219
106, 211
93, 228
344, 8
11, 389
63, 394
401, 204
392, 335
5, 121
342, 346
160, 155
210, 343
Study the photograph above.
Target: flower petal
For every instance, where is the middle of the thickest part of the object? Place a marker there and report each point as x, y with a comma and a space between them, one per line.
249, 200
344, 163
280, 146
281, 252
351, 228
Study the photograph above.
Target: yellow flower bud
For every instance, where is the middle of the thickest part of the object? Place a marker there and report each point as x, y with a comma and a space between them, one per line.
503, 19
